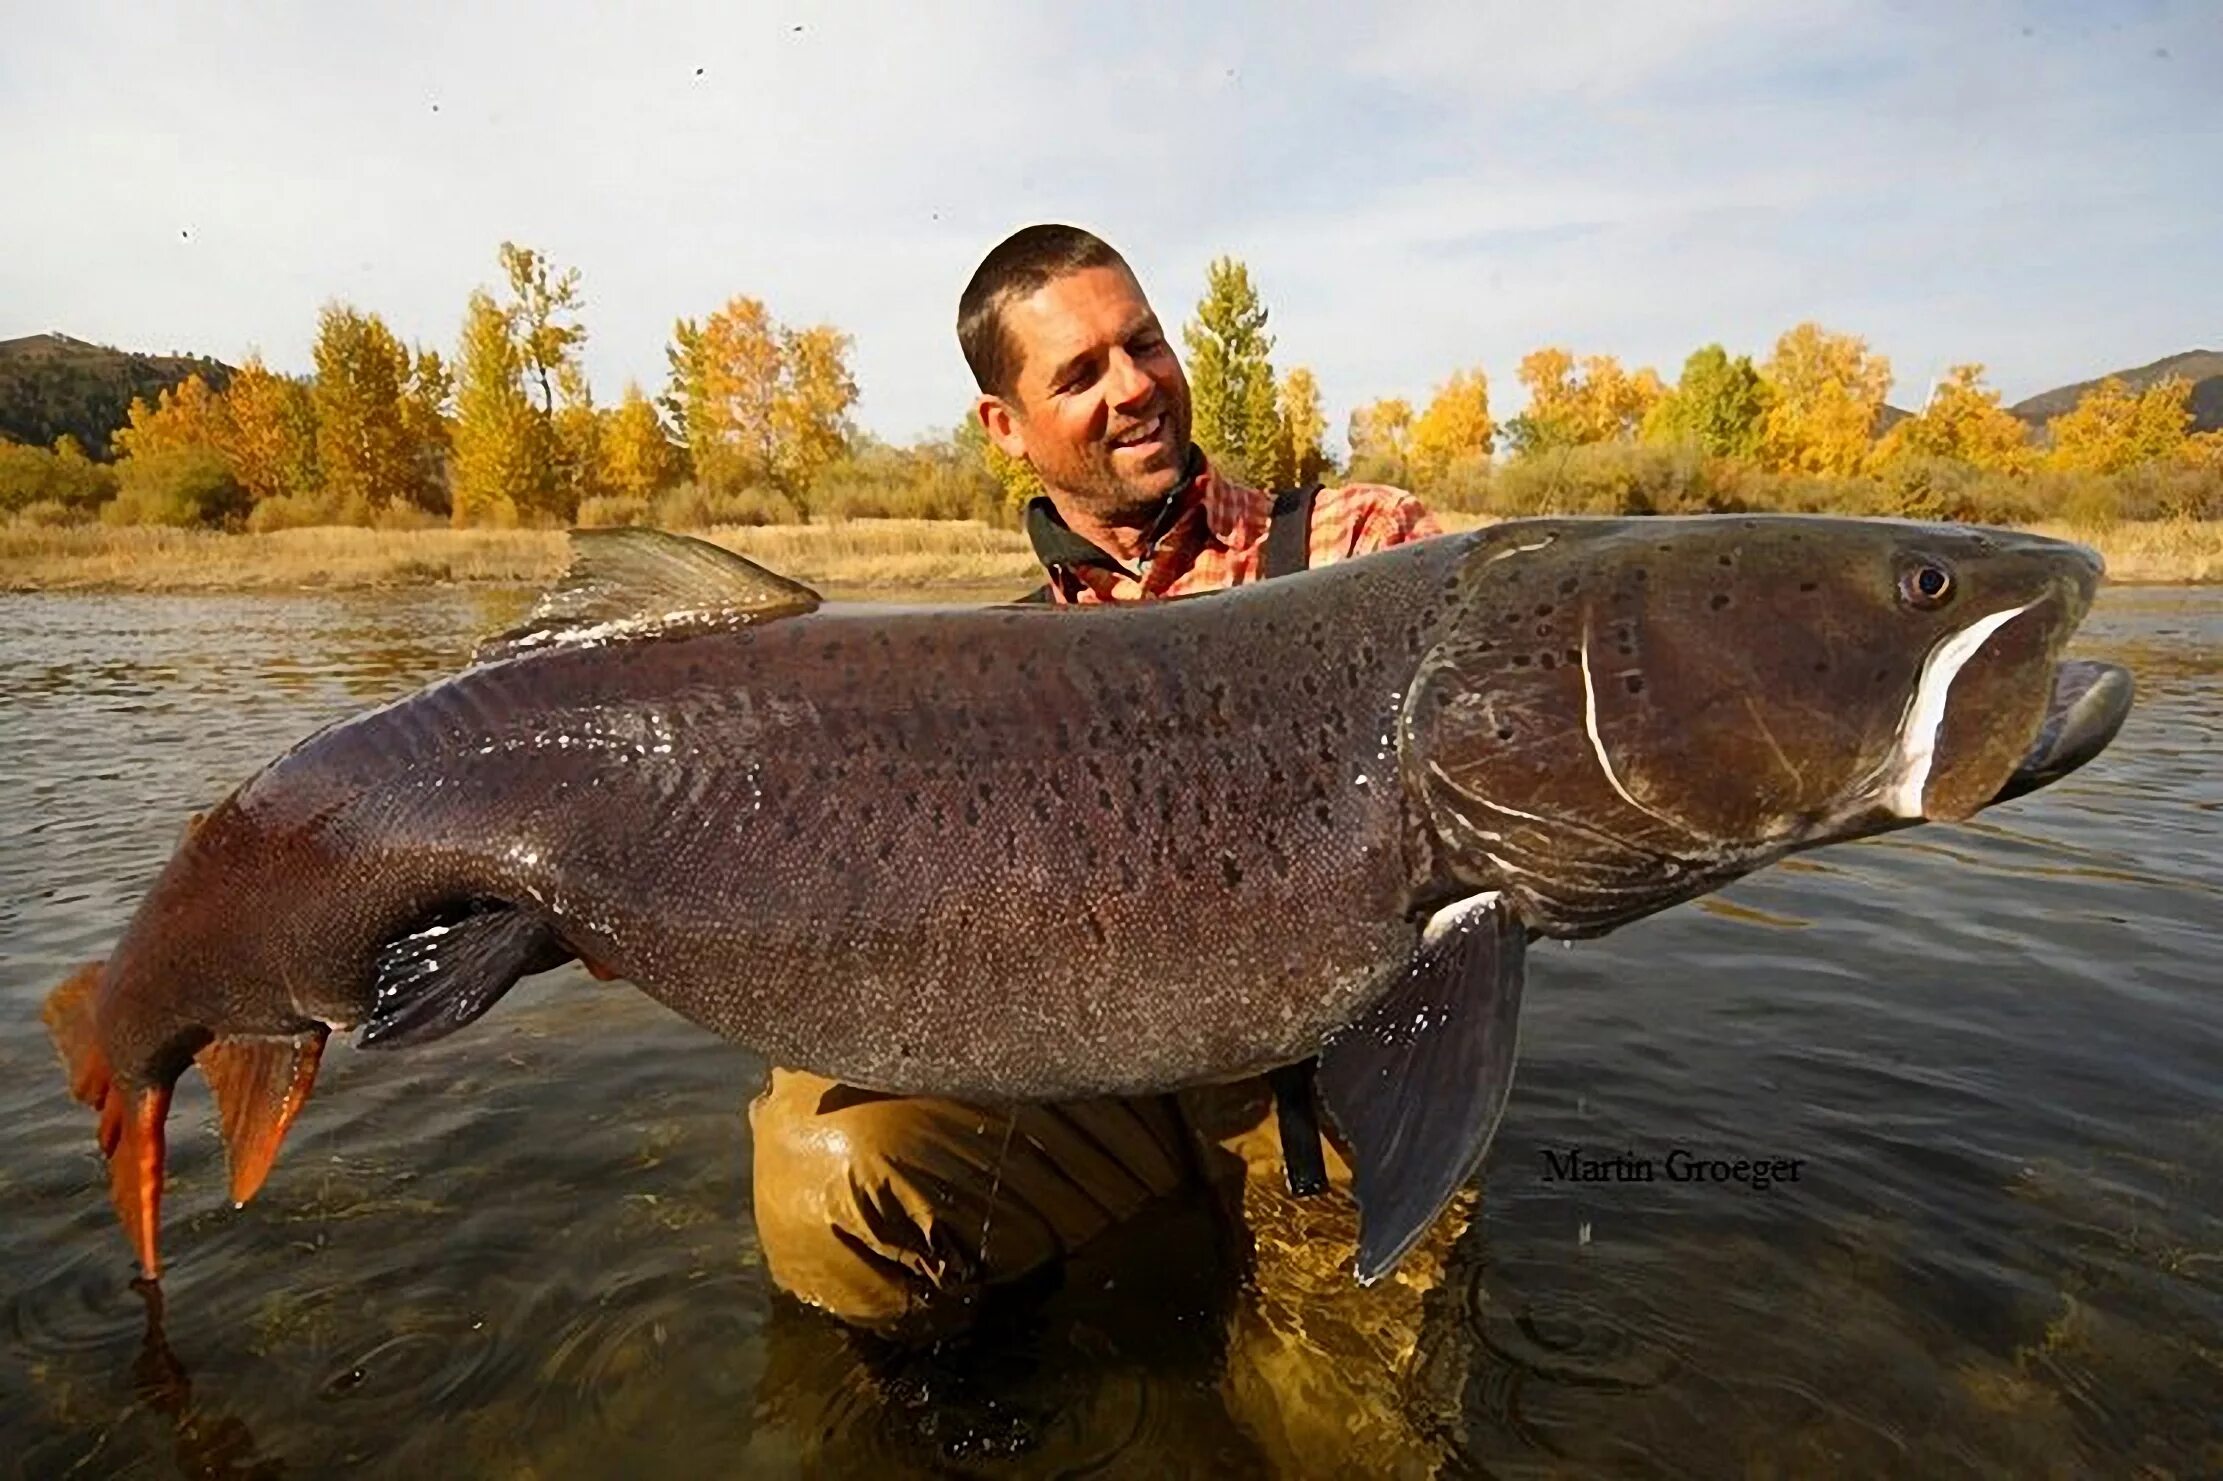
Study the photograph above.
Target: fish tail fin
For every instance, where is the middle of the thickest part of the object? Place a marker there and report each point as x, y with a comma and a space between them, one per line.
260, 1083
131, 1120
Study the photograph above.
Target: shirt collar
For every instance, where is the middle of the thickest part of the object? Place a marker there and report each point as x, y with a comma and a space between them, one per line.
1229, 511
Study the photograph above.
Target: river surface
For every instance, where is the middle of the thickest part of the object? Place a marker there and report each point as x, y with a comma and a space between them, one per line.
1994, 1051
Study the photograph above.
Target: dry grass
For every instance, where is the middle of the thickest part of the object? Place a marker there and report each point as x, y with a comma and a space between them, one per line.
855, 557
860, 557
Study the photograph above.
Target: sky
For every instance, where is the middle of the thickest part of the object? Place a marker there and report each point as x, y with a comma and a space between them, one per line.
1416, 188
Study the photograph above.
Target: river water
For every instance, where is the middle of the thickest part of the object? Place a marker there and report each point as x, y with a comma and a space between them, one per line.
1995, 1053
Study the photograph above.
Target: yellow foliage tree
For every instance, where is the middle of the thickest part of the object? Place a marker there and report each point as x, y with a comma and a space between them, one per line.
758, 404
638, 460
1380, 436
810, 411
1604, 403
1303, 425
363, 447
1825, 393
184, 417
1963, 421
2113, 428
1455, 425
272, 438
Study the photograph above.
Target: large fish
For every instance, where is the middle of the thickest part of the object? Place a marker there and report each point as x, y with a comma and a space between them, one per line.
1013, 853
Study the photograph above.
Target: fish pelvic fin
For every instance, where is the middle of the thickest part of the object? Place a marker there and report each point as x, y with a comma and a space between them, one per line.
132, 1121
260, 1083
1419, 1082
441, 976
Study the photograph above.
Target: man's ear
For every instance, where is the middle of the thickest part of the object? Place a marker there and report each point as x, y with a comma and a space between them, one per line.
1001, 424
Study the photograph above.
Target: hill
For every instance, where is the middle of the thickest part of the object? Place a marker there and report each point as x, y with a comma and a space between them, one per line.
51, 384
2204, 368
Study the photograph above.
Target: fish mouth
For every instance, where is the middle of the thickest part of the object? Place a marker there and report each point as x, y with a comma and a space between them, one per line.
2087, 707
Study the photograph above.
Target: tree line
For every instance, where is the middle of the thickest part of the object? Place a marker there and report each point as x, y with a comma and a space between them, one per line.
753, 425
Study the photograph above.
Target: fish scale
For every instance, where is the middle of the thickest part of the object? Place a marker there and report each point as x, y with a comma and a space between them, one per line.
1022, 853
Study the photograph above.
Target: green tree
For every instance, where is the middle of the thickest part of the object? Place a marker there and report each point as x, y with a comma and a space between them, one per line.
1719, 404
1381, 435
1231, 376
1303, 426
501, 468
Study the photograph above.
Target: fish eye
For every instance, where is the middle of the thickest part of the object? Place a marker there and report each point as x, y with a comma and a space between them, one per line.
1927, 586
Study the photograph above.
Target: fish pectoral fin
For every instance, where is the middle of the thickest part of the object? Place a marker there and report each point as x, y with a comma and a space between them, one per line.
629, 584
436, 979
261, 1082
1417, 1084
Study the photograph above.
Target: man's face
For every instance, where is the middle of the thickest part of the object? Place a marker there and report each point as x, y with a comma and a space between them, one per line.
1100, 407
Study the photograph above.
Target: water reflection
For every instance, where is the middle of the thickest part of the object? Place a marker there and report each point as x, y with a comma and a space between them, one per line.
1997, 1050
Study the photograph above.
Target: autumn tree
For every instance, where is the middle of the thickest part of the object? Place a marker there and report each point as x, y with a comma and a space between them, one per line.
1303, 425
363, 447
1963, 421
1231, 376
425, 420
1601, 403
760, 404
539, 300
1719, 403
1016, 479
810, 412
1456, 425
2113, 428
272, 436
186, 416
501, 468
1825, 392
638, 459
1380, 435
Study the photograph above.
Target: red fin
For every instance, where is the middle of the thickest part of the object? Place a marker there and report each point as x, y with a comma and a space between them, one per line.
597, 971
131, 1121
261, 1085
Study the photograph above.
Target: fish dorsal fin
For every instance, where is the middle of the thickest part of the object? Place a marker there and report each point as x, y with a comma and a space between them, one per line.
627, 584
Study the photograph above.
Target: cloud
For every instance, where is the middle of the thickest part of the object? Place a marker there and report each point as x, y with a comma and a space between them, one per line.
1416, 189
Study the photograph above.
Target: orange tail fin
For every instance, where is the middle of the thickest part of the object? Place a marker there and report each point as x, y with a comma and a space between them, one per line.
131, 1121
261, 1085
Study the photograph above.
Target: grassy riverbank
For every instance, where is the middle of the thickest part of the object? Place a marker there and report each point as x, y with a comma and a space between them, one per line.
856, 557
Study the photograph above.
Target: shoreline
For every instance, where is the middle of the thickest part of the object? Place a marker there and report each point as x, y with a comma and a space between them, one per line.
852, 559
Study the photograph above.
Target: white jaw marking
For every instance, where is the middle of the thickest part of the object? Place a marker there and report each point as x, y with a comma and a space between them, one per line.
1597, 745
1918, 732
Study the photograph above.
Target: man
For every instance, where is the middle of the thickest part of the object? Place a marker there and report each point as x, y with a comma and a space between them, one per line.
898, 1213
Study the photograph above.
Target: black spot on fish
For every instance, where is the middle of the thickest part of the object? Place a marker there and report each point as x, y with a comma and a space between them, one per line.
1520, 660
1128, 880
1505, 732
1547, 660
972, 813
1809, 586
1727, 560
1634, 683
1567, 586
1543, 609
1721, 599
1230, 870
1821, 665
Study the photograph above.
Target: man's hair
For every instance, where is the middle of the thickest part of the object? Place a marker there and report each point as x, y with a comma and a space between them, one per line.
1020, 264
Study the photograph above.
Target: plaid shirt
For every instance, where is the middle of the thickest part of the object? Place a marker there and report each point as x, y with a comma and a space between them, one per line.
1212, 534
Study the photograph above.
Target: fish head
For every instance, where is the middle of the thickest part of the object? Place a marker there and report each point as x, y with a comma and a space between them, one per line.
1620, 714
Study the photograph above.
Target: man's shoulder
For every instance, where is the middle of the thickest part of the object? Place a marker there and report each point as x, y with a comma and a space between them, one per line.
1356, 518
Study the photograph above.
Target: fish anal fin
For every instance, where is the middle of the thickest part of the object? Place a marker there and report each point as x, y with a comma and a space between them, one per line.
260, 1084
434, 980
1418, 1083
630, 584
132, 1120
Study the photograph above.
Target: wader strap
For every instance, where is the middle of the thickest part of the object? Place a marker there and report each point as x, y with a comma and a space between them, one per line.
1289, 536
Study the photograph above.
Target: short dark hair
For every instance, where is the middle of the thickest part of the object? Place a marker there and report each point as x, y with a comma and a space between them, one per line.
1019, 264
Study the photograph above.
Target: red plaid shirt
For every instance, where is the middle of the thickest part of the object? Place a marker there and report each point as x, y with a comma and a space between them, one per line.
1214, 536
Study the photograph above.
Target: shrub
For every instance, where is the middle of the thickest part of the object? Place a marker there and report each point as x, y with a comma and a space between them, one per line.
182, 486
32, 475
607, 511
692, 507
